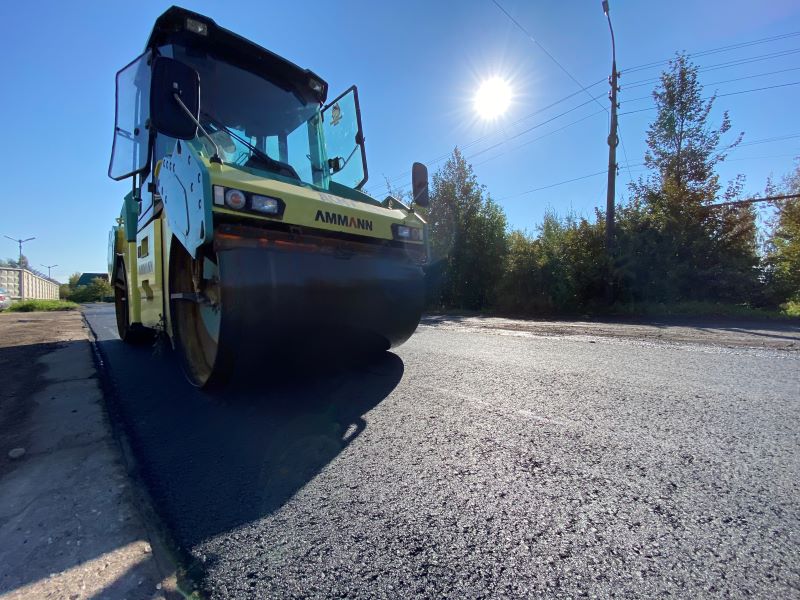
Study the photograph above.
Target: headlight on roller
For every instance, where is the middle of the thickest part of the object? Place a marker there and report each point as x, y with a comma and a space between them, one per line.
242, 201
406, 233
235, 199
265, 204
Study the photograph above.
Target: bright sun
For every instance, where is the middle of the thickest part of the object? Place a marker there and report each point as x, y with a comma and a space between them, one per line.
493, 98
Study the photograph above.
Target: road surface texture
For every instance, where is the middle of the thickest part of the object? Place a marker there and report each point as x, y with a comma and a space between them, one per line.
484, 459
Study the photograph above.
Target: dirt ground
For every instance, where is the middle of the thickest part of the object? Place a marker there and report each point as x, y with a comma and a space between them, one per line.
25, 329
71, 521
729, 333
24, 337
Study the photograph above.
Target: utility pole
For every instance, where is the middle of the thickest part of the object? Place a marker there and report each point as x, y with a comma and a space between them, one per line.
48, 267
20, 242
613, 141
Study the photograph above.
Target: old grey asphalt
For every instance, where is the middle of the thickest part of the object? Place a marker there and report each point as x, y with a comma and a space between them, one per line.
479, 464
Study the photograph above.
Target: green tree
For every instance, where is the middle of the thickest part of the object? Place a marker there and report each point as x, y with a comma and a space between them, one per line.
22, 261
98, 290
783, 244
673, 246
65, 290
468, 239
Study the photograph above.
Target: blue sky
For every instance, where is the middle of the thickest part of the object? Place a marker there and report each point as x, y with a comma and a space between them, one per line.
417, 65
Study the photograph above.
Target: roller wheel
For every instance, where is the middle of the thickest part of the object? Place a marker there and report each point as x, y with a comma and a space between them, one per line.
131, 333
195, 308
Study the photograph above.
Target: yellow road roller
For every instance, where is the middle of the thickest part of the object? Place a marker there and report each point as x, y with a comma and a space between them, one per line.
246, 235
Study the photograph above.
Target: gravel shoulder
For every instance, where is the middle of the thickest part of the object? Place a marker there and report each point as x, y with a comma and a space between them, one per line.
729, 333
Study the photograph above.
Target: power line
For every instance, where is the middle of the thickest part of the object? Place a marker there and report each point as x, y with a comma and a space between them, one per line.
725, 65
755, 200
553, 58
584, 89
552, 185
536, 139
717, 50
624, 152
740, 158
652, 80
754, 76
779, 138
627, 164
528, 130
769, 87
589, 175
493, 134
712, 67
515, 136
634, 84
736, 63
542, 48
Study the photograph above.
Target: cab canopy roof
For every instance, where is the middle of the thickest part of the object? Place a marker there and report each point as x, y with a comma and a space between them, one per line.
180, 26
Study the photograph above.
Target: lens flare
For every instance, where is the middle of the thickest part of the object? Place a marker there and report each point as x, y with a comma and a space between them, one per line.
493, 98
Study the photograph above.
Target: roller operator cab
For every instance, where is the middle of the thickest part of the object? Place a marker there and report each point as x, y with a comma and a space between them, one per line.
246, 235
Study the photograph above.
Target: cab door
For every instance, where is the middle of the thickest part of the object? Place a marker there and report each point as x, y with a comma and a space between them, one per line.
130, 149
344, 140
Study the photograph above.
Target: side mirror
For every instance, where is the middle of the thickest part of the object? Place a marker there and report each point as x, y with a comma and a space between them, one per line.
419, 185
336, 164
167, 115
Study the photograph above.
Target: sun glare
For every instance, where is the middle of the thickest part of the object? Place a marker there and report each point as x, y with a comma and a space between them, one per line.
493, 98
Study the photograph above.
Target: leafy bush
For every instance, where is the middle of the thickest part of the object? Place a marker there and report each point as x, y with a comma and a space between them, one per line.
563, 270
791, 308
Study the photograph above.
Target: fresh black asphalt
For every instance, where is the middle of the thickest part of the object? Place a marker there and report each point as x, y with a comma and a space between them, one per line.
472, 464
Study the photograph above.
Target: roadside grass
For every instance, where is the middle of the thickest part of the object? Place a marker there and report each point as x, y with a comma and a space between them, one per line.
41, 305
790, 310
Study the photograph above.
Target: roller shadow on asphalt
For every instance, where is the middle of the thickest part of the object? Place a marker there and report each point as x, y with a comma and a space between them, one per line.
214, 462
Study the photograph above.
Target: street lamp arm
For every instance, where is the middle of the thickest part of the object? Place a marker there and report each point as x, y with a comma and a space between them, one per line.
611, 29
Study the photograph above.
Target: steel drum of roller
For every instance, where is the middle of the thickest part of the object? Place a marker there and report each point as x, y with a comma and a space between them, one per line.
276, 298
